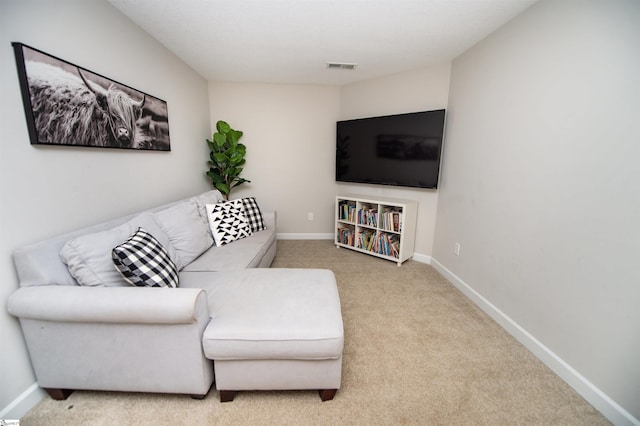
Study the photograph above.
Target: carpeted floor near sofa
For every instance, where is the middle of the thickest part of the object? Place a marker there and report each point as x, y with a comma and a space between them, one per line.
416, 352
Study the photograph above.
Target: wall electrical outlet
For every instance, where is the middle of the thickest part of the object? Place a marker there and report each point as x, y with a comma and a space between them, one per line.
456, 248
310, 216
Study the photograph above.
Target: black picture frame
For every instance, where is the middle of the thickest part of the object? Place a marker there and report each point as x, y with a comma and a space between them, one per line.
66, 104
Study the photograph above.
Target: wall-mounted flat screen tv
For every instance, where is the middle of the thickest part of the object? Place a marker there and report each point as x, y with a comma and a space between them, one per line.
400, 150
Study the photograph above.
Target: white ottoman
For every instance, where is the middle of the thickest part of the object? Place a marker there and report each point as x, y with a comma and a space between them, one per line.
275, 329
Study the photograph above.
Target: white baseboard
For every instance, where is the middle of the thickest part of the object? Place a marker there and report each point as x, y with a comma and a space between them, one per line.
603, 403
297, 236
422, 258
23, 403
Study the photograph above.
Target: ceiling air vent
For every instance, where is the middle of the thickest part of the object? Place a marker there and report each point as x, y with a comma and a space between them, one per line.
341, 66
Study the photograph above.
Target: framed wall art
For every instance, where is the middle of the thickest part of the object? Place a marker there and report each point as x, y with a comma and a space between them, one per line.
65, 104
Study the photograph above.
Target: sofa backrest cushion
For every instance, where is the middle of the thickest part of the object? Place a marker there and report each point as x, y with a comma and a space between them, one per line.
209, 197
188, 233
88, 257
39, 263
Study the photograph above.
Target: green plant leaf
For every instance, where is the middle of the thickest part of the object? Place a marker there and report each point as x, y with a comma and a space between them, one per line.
215, 177
234, 136
229, 151
222, 126
236, 158
238, 182
220, 139
223, 188
221, 158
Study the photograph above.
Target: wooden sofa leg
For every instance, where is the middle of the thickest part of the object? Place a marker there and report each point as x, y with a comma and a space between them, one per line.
227, 395
327, 394
58, 394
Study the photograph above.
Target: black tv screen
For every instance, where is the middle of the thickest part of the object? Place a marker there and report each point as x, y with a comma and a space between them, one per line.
401, 150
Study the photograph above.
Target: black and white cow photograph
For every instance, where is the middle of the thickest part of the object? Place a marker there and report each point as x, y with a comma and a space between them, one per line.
69, 105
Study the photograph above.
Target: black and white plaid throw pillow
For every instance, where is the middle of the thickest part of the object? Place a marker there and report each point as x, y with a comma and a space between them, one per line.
143, 261
253, 214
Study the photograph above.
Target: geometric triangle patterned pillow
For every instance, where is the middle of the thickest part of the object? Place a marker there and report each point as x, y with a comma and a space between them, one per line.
143, 261
227, 221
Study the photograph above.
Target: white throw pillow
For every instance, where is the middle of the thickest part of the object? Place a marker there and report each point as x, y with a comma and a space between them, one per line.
189, 235
143, 262
228, 222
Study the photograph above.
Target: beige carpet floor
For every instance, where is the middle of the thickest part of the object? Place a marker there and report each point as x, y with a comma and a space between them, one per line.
416, 352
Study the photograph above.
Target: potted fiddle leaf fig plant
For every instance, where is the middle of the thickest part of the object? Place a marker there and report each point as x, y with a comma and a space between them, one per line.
226, 159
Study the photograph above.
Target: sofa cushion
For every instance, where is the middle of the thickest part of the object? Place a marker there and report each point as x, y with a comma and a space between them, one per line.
242, 254
246, 253
143, 261
209, 197
188, 233
271, 314
88, 257
253, 214
228, 222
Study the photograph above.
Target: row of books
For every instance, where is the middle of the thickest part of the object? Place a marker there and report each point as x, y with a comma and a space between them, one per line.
368, 216
381, 243
389, 220
347, 211
346, 236
388, 244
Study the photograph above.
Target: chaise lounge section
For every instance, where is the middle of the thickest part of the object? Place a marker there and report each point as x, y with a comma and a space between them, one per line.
274, 329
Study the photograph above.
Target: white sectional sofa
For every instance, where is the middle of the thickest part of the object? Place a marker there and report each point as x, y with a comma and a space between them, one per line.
109, 335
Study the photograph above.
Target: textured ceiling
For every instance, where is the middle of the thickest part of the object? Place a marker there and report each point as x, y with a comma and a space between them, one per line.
291, 41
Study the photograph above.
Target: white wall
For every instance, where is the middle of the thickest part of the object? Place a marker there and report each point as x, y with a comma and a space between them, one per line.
541, 186
47, 191
412, 91
289, 131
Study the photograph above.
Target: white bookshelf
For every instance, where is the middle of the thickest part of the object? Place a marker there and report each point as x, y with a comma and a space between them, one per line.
381, 227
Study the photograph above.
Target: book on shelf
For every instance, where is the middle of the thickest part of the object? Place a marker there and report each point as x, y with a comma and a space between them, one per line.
368, 216
391, 220
388, 245
365, 239
347, 211
346, 236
